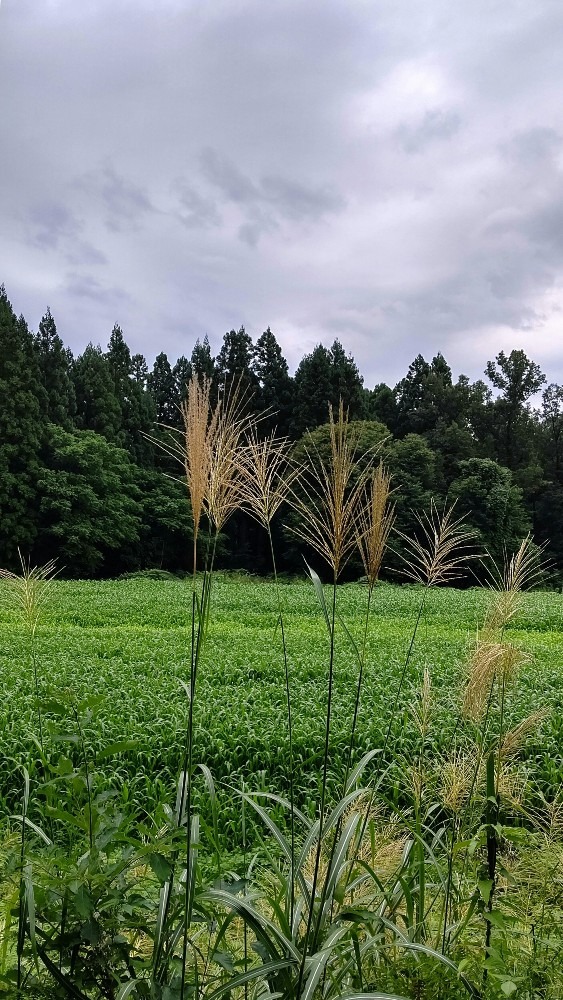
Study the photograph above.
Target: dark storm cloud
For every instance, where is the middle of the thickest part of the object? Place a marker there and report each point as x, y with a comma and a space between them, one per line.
391, 174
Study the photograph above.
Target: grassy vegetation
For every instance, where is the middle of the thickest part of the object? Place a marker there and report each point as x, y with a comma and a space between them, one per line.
129, 643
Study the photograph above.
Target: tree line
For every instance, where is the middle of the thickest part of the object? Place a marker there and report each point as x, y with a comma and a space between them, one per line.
82, 477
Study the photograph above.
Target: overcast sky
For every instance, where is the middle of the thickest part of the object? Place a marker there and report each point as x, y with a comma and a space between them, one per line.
388, 172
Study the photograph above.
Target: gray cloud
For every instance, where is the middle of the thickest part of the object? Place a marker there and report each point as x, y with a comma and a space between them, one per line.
84, 286
533, 147
195, 210
436, 125
391, 175
124, 202
51, 223
232, 183
299, 201
268, 201
54, 227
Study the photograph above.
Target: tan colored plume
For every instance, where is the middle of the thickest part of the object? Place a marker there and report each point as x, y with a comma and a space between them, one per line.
330, 494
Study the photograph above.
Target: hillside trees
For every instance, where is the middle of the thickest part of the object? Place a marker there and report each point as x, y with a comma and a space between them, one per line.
23, 404
552, 425
62, 419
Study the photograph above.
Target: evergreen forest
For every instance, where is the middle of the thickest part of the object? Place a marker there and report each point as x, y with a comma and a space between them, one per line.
84, 480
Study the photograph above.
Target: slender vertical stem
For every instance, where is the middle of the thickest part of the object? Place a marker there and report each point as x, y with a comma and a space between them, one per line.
245, 924
22, 904
325, 763
289, 729
323, 799
33, 657
358, 689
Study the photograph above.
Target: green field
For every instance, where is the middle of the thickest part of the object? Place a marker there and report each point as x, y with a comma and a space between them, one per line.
128, 643
425, 887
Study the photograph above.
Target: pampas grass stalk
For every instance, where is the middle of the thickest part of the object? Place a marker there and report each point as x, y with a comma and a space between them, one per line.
374, 523
327, 502
266, 478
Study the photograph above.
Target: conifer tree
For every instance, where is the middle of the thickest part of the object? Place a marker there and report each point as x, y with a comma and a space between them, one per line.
162, 387
347, 383
313, 391
23, 407
139, 370
136, 405
97, 406
54, 366
201, 360
326, 376
234, 365
274, 396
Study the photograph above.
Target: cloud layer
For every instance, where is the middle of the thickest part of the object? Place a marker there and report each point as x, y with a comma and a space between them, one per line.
389, 174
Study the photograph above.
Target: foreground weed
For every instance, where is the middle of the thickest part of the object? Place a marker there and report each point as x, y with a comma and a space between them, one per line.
26, 595
267, 475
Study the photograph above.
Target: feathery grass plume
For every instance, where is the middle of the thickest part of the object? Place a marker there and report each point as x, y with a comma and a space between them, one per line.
266, 476
374, 522
333, 492
224, 483
26, 593
490, 662
421, 710
416, 779
193, 446
511, 784
441, 552
200, 431
458, 776
520, 572
513, 741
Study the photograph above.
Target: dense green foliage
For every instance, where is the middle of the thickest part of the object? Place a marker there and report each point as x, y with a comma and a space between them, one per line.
444, 438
